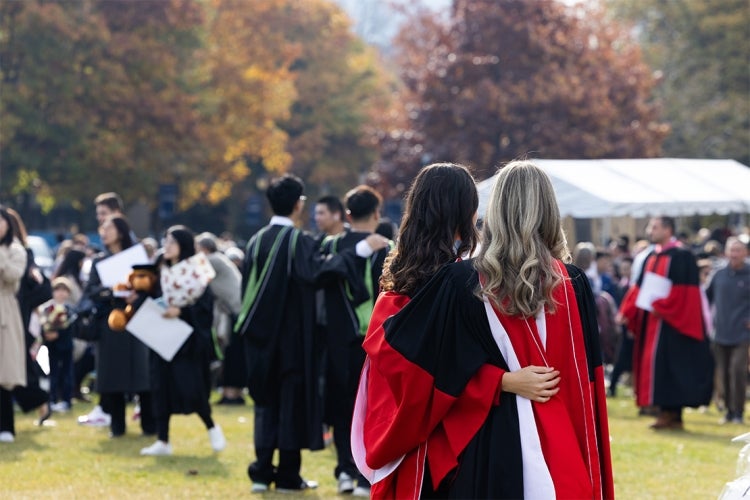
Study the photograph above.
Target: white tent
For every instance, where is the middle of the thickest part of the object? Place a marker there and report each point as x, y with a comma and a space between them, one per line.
643, 187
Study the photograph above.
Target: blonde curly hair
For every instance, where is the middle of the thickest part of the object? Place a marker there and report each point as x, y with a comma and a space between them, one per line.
521, 237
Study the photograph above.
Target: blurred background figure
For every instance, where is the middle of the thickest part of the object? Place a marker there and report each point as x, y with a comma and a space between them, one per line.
227, 304
12, 331
729, 294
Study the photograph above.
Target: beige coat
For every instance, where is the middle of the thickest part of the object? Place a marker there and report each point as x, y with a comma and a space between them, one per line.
12, 342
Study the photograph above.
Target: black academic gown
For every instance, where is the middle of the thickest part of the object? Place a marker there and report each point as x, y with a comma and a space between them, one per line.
345, 288
183, 385
283, 354
459, 434
122, 360
672, 362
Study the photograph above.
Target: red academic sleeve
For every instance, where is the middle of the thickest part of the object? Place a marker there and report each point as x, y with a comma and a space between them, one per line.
682, 309
405, 409
403, 406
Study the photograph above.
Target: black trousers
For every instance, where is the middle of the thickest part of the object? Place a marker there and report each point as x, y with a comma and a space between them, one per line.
7, 420
623, 362
114, 403
162, 422
286, 475
340, 399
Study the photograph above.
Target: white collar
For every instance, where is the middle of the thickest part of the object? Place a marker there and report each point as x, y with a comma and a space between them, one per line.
280, 220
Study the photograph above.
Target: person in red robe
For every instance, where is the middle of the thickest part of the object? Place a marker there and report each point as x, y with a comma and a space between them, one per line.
491, 391
672, 363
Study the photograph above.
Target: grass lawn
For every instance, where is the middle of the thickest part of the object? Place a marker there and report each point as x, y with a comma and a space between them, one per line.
66, 460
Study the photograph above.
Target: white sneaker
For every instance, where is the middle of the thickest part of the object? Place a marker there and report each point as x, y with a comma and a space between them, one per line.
218, 442
259, 488
61, 407
361, 491
346, 483
7, 437
96, 418
158, 449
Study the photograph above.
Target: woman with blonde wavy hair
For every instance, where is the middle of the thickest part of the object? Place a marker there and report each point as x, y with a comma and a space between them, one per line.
522, 236
493, 377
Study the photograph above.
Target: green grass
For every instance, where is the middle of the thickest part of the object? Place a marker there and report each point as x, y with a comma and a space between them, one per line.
72, 461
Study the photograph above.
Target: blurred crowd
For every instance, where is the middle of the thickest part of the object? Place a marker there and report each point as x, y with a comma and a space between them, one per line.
63, 329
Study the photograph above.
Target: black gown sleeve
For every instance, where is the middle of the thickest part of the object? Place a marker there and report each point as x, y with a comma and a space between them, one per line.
587, 313
444, 329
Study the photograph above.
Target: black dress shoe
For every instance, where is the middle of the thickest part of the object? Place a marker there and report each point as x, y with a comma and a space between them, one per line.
303, 485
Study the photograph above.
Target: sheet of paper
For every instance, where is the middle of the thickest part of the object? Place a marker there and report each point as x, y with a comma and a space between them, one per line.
163, 335
653, 287
115, 269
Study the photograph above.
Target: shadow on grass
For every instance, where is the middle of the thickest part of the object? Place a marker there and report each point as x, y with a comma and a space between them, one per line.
25, 441
129, 446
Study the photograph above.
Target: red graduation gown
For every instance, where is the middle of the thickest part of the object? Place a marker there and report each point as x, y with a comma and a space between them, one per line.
672, 363
430, 397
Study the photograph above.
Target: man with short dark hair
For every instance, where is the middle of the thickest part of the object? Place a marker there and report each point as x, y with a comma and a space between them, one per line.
349, 300
276, 323
672, 362
329, 215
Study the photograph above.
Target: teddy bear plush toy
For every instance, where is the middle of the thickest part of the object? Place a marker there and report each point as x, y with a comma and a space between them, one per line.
143, 280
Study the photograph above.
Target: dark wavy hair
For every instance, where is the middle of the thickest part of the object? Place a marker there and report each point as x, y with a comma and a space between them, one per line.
440, 208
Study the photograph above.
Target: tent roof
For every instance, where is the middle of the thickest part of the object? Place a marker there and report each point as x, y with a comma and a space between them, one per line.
643, 187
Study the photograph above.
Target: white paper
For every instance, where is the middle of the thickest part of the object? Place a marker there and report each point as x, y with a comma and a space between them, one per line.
653, 287
163, 335
115, 269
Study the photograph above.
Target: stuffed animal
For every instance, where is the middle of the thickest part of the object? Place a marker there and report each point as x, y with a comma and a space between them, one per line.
143, 280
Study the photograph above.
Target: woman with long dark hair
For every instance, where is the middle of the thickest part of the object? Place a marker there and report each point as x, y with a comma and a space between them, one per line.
183, 384
12, 345
438, 227
122, 361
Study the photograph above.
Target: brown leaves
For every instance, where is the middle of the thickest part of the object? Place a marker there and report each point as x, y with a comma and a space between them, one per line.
515, 78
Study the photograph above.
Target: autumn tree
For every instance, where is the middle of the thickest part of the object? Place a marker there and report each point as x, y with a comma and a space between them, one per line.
94, 97
210, 96
340, 87
246, 90
701, 49
502, 80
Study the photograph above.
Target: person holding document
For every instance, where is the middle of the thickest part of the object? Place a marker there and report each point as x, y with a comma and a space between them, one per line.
182, 385
672, 364
122, 365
